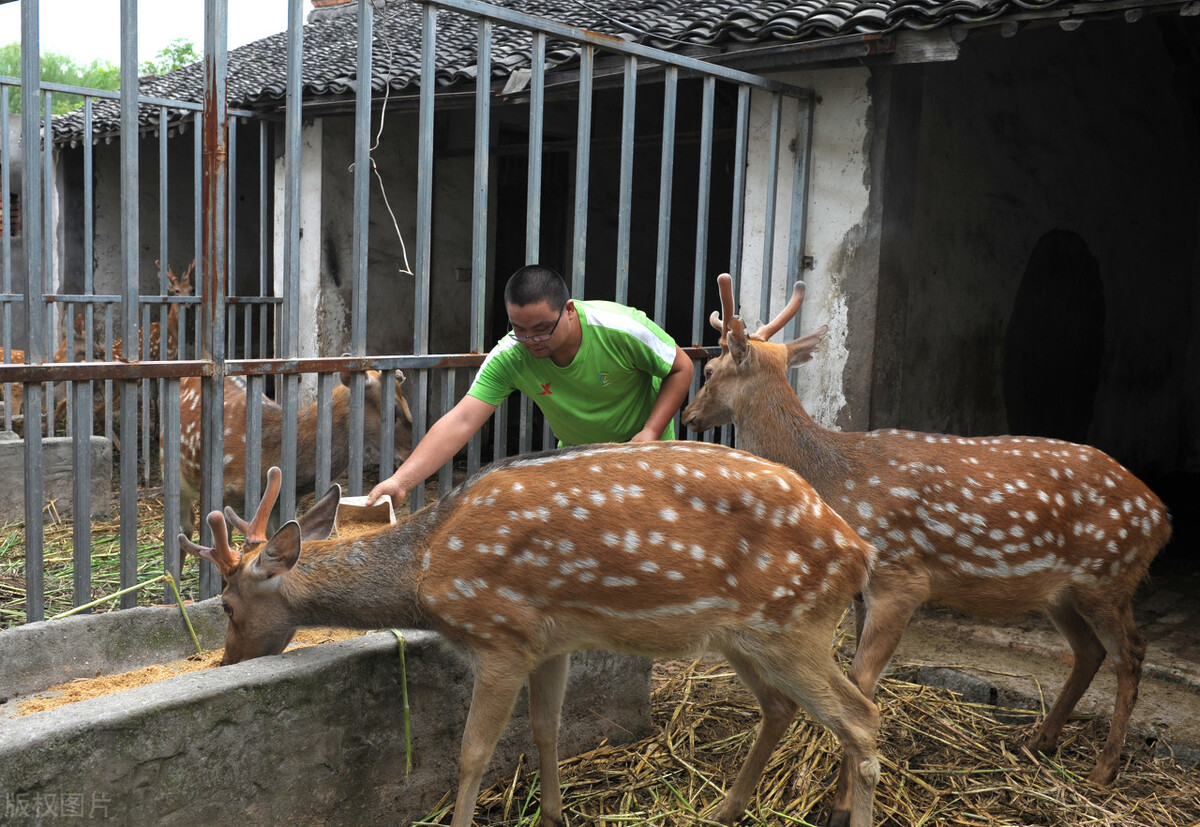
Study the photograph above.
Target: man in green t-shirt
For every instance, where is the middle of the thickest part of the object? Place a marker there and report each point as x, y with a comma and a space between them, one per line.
599, 372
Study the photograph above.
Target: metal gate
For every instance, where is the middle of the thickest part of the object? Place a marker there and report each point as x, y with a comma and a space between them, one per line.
648, 125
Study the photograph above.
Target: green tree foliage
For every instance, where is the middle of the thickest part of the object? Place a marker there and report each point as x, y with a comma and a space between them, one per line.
99, 74
178, 53
56, 68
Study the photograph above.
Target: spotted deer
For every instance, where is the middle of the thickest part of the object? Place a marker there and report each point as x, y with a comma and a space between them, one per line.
996, 527
17, 357
190, 444
176, 286
657, 549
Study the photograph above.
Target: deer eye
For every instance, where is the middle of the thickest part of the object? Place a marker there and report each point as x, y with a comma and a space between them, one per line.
225, 607
707, 374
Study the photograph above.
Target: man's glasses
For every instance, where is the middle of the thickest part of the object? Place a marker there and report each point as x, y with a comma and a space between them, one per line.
533, 338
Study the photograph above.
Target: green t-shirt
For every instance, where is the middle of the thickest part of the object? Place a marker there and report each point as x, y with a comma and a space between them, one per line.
606, 393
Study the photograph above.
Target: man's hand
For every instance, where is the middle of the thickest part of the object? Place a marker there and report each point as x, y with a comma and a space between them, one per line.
396, 486
645, 435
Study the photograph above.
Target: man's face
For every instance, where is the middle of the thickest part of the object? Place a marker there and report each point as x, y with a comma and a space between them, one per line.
539, 327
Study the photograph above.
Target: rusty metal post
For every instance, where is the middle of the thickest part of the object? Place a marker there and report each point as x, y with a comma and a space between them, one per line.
214, 203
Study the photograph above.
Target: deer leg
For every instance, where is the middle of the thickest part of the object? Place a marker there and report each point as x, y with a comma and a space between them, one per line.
1122, 640
804, 675
187, 500
889, 603
860, 618
837, 703
547, 685
1089, 654
778, 712
492, 701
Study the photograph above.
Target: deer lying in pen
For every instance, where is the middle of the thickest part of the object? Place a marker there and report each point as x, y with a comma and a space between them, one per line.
655, 549
995, 527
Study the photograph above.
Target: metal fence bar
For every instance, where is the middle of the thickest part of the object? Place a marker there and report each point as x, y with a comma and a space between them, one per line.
211, 270
325, 386
172, 557
666, 175
702, 207
764, 301
47, 173
479, 213
288, 391
81, 494
446, 472
559, 31
387, 415
254, 434
358, 310
740, 150
31, 141
129, 298
537, 106
424, 224
583, 154
6, 249
625, 186
264, 238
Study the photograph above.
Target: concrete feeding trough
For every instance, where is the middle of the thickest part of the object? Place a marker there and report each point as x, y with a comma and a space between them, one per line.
309, 736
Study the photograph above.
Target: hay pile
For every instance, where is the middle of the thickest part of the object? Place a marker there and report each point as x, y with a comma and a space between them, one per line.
105, 575
944, 762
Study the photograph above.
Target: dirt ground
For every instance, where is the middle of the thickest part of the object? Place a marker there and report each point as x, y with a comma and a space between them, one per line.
1026, 663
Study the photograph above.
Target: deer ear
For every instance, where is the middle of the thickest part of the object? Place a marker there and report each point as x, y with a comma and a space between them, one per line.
281, 552
317, 523
801, 350
399, 378
739, 343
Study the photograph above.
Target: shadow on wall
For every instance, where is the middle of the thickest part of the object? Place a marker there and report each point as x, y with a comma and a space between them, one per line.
1054, 344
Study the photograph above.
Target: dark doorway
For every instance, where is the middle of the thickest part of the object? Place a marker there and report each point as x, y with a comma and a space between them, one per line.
1054, 345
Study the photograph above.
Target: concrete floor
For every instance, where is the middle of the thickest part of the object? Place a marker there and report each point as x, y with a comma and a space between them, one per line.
1015, 664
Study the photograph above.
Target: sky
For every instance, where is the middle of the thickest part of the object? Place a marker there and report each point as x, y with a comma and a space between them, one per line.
87, 30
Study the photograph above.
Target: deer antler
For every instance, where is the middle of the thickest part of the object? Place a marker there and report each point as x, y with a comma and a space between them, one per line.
222, 555
255, 531
721, 320
771, 328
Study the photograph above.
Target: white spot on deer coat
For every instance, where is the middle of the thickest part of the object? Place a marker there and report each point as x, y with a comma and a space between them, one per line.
618, 581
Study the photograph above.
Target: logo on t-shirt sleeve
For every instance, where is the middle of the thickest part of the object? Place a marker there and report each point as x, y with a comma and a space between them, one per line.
546, 390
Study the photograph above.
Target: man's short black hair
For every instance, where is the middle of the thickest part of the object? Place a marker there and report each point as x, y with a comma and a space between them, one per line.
534, 283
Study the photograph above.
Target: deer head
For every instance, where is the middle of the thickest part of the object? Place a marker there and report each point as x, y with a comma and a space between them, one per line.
732, 377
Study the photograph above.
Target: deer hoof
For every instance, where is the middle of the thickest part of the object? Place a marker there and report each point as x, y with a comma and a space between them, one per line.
1041, 742
1102, 776
726, 815
839, 818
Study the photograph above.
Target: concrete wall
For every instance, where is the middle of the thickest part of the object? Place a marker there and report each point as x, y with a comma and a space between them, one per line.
842, 236
58, 475
311, 736
393, 239
1088, 133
